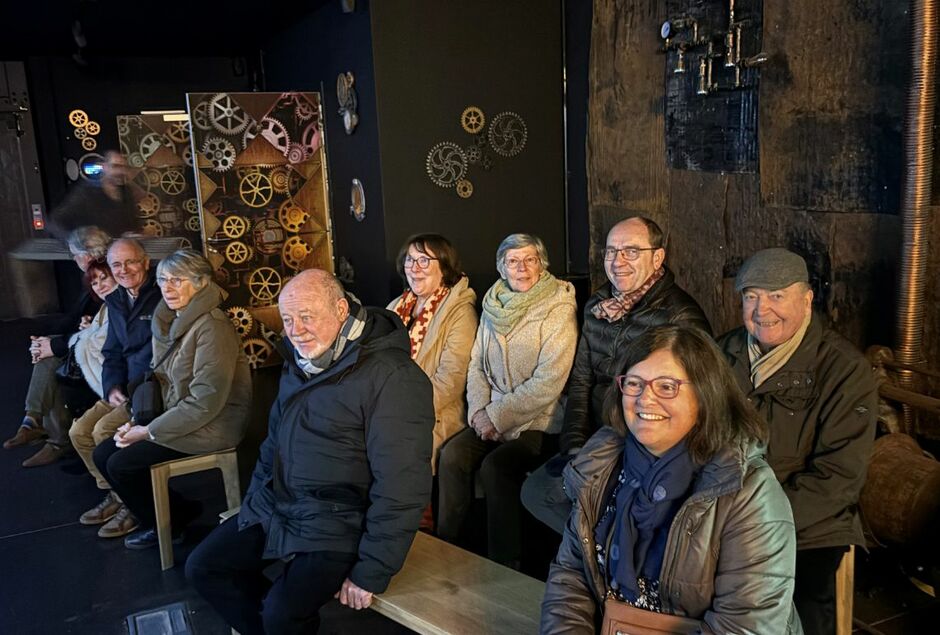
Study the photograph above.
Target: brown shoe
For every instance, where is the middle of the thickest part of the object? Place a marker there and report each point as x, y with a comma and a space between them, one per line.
48, 454
25, 435
103, 511
123, 523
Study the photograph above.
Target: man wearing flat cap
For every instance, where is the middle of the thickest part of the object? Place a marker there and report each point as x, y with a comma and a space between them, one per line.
819, 397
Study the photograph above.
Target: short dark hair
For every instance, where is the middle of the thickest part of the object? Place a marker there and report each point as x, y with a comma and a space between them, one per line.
96, 266
437, 246
724, 415
657, 238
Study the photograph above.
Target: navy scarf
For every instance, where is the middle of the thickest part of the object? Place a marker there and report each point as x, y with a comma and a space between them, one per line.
650, 494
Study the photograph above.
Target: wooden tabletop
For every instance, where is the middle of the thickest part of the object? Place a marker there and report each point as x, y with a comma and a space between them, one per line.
444, 589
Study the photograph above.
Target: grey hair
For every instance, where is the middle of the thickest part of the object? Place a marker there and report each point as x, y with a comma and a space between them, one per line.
187, 263
518, 241
89, 240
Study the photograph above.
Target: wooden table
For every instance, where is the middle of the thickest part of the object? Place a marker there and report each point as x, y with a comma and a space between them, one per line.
444, 589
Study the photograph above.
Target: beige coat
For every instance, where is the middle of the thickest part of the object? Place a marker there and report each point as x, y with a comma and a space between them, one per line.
444, 357
518, 378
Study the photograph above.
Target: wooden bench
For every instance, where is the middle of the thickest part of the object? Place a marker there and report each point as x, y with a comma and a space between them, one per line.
445, 589
845, 592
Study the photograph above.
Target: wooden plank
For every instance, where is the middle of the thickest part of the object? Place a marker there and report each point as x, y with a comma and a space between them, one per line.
444, 589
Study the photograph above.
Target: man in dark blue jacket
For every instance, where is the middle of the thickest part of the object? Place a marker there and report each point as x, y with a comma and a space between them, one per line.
343, 476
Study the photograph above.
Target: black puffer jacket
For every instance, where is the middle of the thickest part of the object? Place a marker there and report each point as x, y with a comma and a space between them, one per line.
602, 343
346, 465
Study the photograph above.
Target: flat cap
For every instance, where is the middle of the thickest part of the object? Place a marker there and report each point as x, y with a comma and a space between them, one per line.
771, 269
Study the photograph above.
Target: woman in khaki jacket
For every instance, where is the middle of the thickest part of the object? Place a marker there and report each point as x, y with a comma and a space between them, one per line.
520, 362
437, 309
676, 512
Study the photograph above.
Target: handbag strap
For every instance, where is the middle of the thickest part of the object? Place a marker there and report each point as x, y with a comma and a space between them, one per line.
176, 342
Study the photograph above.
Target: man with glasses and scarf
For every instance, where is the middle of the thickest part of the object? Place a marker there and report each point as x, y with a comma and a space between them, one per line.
342, 478
640, 293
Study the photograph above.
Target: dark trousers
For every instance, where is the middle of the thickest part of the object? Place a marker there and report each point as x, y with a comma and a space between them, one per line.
814, 592
226, 570
127, 470
543, 494
503, 467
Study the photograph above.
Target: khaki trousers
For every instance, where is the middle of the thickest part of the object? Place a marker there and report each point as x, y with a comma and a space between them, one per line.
99, 422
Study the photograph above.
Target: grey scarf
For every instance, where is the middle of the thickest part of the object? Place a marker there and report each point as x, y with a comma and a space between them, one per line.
350, 332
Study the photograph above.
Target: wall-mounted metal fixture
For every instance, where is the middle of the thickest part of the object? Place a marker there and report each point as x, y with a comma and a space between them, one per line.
357, 196
348, 102
680, 59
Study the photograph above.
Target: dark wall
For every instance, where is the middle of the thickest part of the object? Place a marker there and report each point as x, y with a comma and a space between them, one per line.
432, 60
316, 49
578, 14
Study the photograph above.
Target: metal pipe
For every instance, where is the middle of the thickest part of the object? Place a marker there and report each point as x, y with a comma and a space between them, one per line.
915, 192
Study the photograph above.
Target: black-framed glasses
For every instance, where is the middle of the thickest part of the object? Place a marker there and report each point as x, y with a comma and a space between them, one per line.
630, 253
423, 262
663, 387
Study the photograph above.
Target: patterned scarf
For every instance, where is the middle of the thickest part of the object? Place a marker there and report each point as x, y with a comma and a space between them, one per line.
350, 331
619, 304
764, 365
418, 324
503, 307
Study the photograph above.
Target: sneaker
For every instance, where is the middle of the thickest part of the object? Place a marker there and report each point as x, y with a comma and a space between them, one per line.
103, 511
48, 454
25, 435
123, 523
148, 538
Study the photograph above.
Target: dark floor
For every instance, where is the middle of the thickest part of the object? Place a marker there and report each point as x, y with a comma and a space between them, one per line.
57, 576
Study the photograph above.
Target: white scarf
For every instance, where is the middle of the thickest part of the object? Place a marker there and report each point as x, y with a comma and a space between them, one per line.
764, 365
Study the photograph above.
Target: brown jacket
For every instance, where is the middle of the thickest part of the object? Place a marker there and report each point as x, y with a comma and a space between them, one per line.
730, 555
444, 357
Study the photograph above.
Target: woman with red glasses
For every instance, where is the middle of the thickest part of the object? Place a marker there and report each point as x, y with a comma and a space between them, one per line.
678, 520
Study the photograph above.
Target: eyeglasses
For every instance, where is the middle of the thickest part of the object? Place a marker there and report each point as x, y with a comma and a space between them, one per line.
423, 262
528, 262
176, 283
630, 253
117, 265
663, 387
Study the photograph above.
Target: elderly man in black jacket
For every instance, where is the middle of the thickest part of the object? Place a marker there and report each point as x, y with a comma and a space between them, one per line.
641, 293
819, 396
344, 473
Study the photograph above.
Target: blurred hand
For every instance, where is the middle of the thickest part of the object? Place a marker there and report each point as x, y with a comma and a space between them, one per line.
116, 397
40, 347
85, 322
352, 596
129, 434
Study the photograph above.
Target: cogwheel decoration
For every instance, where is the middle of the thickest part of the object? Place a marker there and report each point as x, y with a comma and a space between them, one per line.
191, 205
270, 336
150, 144
136, 160
292, 216
464, 188
507, 134
185, 243
193, 223
255, 189
201, 116
173, 182
446, 164
280, 179
188, 156
296, 153
264, 284
268, 236
220, 152
486, 162
237, 252
311, 138
226, 116
148, 206
251, 131
234, 226
151, 176
241, 319
472, 120
257, 351
276, 134
78, 118
92, 128
89, 143
474, 154
150, 227
178, 132
304, 110
294, 253
80, 133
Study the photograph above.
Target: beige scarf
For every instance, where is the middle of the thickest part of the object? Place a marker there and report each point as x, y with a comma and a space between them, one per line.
764, 365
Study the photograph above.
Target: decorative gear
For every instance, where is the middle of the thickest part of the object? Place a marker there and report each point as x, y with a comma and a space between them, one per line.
150, 144
507, 134
237, 252
80, 133
312, 138
487, 162
200, 116
234, 226
255, 189
276, 134
270, 336
173, 182
280, 179
123, 147
136, 160
191, 205
152, 176
89, 143
124, 128
150, 227
296, 153
92, 128
446, 164
294, 253
241, 319
268, 236
193, 223
304, 110
78, 118
251, 131
473, 154
464, 188
178, 132
472, 120
264, 283
480, 141
148, 205
292, 216
257, 351
227, 116
220, 152
187, 155
185, 243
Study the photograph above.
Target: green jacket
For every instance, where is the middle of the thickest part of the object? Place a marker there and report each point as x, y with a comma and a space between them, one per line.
821, 408
730, 555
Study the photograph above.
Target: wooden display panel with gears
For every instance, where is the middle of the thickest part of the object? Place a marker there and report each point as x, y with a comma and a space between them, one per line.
260, 167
